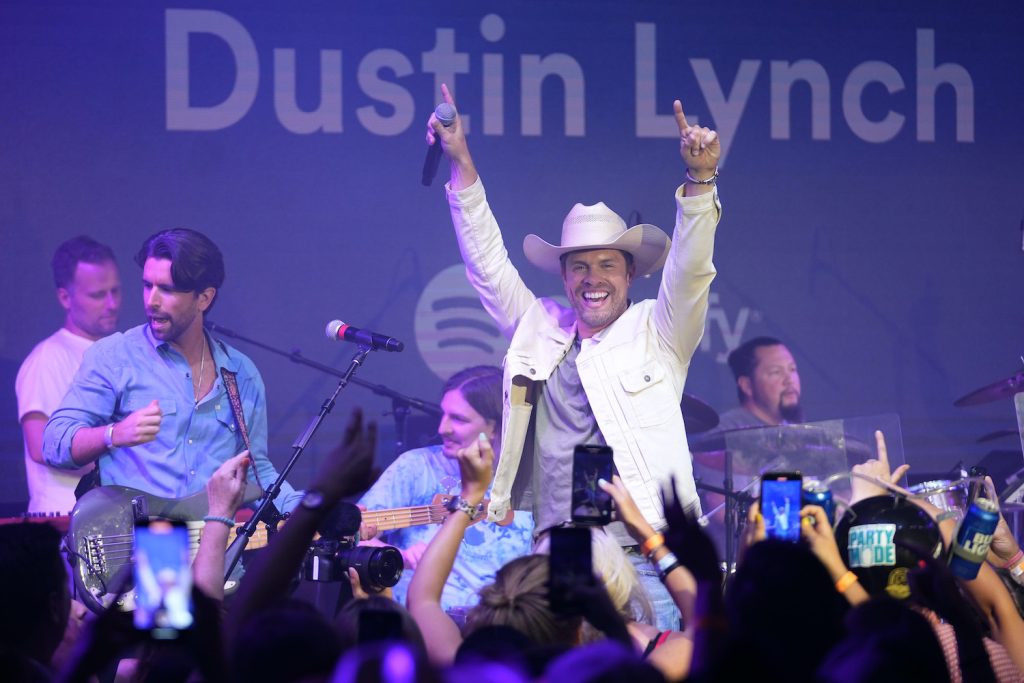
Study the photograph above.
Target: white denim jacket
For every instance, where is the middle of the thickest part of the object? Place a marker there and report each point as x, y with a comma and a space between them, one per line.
633, 376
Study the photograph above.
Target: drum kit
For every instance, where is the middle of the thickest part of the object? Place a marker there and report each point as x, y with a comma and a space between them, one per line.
716, 453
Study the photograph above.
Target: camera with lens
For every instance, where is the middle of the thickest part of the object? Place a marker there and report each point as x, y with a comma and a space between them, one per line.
337, 549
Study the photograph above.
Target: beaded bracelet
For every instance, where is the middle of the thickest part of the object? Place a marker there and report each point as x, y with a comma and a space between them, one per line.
469, 509
226, 521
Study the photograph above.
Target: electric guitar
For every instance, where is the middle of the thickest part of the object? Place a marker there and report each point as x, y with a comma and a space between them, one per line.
101, 534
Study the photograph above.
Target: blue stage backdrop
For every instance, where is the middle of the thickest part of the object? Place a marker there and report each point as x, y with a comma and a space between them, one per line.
871, 181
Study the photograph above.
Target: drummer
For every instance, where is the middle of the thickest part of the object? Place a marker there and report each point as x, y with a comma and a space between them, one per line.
767, 383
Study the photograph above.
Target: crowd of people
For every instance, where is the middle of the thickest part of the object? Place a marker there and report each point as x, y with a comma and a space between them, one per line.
790, 612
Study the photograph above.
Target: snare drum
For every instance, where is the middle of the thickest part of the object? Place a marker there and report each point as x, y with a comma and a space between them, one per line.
951, 497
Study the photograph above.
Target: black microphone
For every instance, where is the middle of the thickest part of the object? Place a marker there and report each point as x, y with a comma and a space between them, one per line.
445, 113
339, 331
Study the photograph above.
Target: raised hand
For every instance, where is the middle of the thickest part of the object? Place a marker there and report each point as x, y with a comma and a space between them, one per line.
877, 469
348, 468
699, 146
692, 547
626, 510
476, 467
139, 427
453, 141
226, 487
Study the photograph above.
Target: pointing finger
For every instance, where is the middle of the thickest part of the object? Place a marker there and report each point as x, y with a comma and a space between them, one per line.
447, 95
883, 452
677, 107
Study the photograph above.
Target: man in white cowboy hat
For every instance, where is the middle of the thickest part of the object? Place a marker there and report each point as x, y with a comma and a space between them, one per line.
605, 369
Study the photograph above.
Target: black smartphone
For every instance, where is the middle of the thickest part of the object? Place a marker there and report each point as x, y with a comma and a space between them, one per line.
163, 578
590, 504
780, 504
570, 564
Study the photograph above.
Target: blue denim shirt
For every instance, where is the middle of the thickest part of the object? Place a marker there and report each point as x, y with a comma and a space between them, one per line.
124, 372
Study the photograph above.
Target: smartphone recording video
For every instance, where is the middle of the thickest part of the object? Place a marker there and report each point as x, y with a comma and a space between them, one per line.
780, 504
163, 578
591, 505
570, 564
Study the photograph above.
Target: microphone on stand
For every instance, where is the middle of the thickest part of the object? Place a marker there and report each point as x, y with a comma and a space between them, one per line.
339, 331
445, 113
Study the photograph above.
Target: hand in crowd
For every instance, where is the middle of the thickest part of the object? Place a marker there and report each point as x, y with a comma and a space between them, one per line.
816, 529
699, 146
876, 469
348, 469
140, 427
360, 593
476, 467
691, 545
1004, 546
754, 531
626, 510
226, 488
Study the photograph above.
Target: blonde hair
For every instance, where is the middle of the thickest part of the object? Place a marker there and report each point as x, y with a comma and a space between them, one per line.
620, 578
519, 598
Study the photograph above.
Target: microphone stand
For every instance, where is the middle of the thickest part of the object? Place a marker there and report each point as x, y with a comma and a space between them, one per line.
265, 504
401, 404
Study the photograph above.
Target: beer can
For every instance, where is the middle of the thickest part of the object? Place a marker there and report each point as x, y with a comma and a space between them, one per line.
816, 493
973, 538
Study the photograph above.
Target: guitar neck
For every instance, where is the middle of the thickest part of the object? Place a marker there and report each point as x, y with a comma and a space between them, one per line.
384, 520
401, 518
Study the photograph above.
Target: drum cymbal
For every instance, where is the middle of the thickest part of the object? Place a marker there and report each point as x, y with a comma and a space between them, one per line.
780, 438
1004, 388
697, 415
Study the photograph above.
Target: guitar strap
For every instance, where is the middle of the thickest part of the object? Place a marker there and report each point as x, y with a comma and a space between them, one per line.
231, 385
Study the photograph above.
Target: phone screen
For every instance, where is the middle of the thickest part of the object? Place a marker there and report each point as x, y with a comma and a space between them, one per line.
570, 564
780, 504
163, 578
591, 505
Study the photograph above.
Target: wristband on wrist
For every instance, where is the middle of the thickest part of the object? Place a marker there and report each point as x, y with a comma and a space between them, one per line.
706, 181
108, 436
666, 564
226, 521
469, 509
1015, 560
652, 543
845, 581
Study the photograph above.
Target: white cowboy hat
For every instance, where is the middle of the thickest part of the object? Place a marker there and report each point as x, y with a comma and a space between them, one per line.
598, 227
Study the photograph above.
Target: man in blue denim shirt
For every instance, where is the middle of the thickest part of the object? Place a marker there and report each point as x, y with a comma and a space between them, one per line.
149, 405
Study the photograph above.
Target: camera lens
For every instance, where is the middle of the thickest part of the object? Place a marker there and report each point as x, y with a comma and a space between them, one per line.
378, 567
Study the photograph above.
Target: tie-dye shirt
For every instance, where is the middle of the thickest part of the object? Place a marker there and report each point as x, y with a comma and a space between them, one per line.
414, 478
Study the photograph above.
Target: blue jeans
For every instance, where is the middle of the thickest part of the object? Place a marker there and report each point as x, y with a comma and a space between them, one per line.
666, 614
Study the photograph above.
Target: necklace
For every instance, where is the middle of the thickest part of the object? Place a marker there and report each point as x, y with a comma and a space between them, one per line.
197, 388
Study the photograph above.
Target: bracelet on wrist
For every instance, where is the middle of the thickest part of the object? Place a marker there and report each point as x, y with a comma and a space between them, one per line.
108, 436
226, 521
652, 543
1015, 560
845, 581
471, 510
666, 565
707, 181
